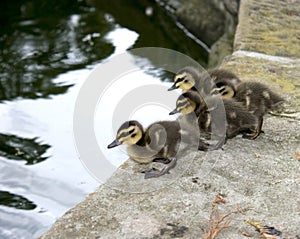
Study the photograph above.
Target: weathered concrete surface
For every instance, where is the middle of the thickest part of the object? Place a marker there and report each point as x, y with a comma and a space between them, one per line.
262, 175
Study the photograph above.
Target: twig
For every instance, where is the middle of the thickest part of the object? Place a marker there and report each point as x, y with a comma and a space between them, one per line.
218, 223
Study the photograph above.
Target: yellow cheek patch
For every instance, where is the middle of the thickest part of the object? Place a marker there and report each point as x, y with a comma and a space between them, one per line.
186, 86
185, 107
186, 110
179, 84
229, 92
125, 138
183, 81
125, 131
224, 92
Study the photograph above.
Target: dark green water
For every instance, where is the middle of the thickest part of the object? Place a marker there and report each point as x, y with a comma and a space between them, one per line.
47, 50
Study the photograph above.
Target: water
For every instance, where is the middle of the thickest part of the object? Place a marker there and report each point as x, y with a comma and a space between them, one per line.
47, 51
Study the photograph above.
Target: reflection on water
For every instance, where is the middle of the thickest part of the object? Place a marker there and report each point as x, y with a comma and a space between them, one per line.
156, 29
16, 201
47, 49
17, 148
39, 47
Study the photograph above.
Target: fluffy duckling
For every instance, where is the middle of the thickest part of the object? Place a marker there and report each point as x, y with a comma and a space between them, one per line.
256, 97
158, 143
225, 118
191, 79
221, 77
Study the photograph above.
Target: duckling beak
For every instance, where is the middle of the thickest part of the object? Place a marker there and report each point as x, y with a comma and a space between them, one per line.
173, 87
173, 112
115, 143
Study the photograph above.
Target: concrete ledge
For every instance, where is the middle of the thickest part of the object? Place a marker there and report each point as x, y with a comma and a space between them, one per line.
262, 175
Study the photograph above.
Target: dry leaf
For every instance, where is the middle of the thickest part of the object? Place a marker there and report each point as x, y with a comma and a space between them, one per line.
246, 234
257, 155
297, 156
219, 199
265, 231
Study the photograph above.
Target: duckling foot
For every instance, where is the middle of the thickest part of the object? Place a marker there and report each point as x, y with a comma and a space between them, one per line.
161, 160
150, 172
252, 136
257, 132
203, 146
155, 173
219, 144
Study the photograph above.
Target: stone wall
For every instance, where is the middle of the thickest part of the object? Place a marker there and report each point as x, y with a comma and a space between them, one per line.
212, 21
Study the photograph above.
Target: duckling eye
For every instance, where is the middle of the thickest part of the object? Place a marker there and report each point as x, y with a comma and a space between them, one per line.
185, 81
133, 135
131, 131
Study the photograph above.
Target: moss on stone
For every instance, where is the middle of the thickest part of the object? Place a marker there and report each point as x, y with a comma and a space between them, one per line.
269, 27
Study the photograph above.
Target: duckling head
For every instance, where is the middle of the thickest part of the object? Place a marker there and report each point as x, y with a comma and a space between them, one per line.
187, 103
225, 91
129, 133
184, 79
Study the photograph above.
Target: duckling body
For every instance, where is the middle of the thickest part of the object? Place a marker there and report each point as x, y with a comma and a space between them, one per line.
191, 79
225, 118
159, 142
257, 98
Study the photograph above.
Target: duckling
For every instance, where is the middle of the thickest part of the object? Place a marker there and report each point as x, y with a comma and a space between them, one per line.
191, 79
223, 77
255, 96
211, 112
158, 143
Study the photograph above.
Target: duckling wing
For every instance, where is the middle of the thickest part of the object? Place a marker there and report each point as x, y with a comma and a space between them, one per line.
156, 135
238, 118
164, 138
141, 153
257, 97
216, 115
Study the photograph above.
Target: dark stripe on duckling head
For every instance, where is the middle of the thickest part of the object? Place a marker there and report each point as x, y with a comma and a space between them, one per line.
192, 96
179, 78
129, 123
125, 134
185, 103
181, 101
188, 69
225, 91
